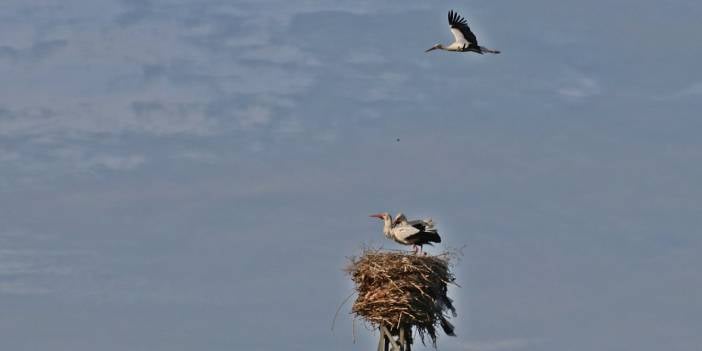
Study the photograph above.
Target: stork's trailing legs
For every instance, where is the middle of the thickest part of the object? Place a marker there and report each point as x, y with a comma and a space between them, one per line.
492, 51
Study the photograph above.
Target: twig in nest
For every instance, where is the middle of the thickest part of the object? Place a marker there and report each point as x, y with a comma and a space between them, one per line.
339, 309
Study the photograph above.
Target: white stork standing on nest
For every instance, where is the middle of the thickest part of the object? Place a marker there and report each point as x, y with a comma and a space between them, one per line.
416, 233
464, 39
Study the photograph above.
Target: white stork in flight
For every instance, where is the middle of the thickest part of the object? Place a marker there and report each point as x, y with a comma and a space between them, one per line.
464, 39
416, 233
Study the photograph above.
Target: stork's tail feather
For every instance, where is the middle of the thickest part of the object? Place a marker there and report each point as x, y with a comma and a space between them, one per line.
492, 51
433, 237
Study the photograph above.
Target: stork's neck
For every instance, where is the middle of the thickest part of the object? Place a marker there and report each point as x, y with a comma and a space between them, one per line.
387, 226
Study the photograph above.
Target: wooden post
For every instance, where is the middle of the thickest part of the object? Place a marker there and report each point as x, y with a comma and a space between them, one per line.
389, 342
407, 338
404, 338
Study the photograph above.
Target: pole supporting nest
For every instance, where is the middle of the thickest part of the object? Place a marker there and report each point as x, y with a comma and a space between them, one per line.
388, 341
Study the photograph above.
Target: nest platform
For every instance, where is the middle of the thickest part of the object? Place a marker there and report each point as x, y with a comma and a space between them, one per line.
401, 290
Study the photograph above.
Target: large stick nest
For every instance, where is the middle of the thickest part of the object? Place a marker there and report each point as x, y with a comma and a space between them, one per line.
399, 290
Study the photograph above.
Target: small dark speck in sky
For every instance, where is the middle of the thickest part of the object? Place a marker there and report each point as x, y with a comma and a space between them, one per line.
398, 139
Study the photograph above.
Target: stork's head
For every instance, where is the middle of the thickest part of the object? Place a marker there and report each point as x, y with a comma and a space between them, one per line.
387, 221
383, 215
437, 46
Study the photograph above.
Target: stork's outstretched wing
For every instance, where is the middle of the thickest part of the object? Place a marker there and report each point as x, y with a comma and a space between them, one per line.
460, 30
423, 225
399, 219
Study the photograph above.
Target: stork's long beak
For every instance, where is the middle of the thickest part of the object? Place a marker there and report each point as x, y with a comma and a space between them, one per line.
432, 48
377, 215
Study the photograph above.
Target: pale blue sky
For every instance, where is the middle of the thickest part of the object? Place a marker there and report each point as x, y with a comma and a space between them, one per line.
191, 175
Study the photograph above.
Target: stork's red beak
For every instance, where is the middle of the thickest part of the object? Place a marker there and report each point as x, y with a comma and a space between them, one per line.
377, 215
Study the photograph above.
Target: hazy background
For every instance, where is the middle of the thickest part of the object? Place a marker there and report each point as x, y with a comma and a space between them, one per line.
191, 175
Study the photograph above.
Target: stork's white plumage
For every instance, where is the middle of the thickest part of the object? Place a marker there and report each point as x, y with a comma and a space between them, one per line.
464, 39
415, 233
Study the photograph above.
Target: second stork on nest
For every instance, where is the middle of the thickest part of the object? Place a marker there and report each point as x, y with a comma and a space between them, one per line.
416, 233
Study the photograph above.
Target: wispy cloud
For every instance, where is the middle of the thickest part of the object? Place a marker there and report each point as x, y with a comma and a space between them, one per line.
81, 159
196, 156
579, 88
38, 50
7, 155
117, 163
25, 268
364, 58
155, 69
387, 87
254, 116
692, 90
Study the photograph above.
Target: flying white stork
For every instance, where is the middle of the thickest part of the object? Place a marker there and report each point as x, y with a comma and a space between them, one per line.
415, 233
464, 39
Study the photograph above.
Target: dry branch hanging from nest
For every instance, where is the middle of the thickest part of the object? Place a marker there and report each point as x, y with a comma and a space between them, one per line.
400, 290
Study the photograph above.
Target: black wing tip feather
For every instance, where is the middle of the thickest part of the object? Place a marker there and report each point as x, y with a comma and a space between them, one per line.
455, 19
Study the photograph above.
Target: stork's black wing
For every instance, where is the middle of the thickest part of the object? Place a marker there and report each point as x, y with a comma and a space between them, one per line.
458, 23
420, 225
423, 238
